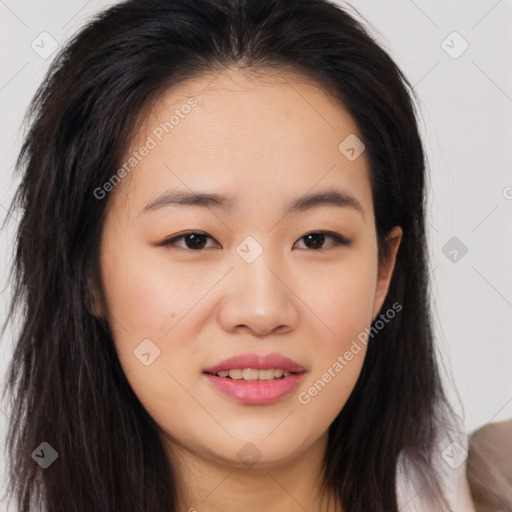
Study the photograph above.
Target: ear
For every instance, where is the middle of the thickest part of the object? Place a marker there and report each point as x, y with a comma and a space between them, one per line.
93, 297
386, 267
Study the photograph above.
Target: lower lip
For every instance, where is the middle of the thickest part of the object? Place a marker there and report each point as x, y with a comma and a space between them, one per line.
255, 392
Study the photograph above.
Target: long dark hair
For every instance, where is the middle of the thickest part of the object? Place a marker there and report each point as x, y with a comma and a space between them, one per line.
66, 384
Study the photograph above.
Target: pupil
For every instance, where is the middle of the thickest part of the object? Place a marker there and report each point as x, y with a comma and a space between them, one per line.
197, 241
318, 239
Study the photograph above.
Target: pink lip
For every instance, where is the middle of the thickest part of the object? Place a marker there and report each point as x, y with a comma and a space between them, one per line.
257, 362
256, 392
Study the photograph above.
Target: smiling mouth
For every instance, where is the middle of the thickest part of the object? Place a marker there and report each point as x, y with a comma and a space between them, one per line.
254, 386
253, 374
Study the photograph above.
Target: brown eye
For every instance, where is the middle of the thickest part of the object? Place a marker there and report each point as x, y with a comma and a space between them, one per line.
193, 240
315, 240
197, 241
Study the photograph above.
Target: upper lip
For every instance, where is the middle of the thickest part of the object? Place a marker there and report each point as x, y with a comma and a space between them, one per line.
258, 362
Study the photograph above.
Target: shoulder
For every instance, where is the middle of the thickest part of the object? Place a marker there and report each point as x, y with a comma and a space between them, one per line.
490, 466
449, 463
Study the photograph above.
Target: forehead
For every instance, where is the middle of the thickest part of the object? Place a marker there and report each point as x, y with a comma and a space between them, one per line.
268, 132
249, 99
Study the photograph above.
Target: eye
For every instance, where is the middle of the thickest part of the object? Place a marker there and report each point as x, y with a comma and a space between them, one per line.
316, 239
197, 241
194, 240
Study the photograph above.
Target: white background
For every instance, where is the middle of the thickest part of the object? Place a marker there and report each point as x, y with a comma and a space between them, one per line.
466, 117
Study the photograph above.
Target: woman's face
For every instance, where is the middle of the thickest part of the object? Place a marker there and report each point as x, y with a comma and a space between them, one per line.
256, 277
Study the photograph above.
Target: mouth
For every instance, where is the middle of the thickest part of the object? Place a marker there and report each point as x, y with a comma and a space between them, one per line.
254, 379
251, 366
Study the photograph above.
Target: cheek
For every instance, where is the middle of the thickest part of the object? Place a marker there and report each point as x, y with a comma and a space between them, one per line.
149, 300
342, 302
341, 296
146, 295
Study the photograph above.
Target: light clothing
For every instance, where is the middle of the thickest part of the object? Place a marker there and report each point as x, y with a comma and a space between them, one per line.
449, 462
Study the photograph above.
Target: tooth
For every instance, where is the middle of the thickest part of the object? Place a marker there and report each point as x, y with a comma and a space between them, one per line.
266, 374
236, 374
250, 374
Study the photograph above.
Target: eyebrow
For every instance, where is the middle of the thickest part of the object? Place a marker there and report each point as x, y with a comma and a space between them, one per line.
336, 198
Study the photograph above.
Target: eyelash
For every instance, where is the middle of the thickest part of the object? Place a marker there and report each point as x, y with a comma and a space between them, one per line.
337, 239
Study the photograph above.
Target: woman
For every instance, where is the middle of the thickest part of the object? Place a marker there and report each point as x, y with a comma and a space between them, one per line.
222, 264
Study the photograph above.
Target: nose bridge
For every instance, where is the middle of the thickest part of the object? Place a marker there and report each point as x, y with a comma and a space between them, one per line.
258, 297
253, 266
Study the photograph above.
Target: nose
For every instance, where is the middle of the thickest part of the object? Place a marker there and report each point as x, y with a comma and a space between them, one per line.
258, 298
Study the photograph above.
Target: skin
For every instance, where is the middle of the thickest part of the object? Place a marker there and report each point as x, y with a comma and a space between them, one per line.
262, 141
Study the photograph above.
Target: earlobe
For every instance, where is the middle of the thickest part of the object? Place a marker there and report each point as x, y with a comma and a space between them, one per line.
92, 299
93, 308
92, 305
386, 268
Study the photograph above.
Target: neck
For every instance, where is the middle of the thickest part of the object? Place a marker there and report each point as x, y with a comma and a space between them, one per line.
211, 485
